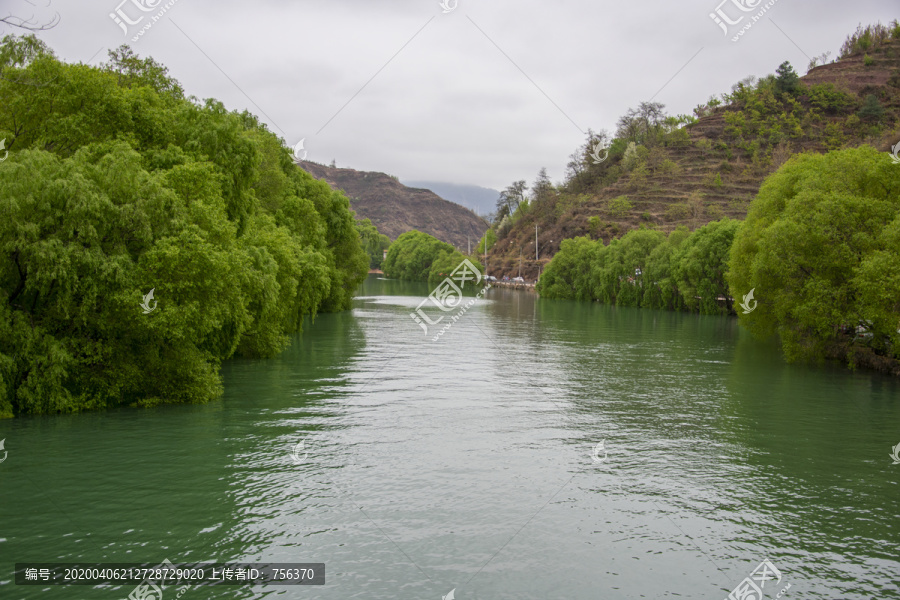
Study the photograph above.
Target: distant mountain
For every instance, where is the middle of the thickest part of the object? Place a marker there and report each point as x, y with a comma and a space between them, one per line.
481, 200
395, 208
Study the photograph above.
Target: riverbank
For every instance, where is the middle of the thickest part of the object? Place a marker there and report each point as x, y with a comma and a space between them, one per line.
511, 285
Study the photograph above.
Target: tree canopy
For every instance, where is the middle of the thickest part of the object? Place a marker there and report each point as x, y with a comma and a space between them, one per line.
820, 247
412, 254
116, 185
373, 242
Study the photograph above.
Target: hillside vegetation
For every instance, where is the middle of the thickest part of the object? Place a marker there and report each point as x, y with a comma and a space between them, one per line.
816, 262
669, 171
147, 237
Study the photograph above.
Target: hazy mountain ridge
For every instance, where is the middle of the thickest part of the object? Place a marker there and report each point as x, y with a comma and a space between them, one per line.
395, 208
480, 199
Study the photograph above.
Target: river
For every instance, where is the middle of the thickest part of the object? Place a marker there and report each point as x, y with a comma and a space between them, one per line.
474, 463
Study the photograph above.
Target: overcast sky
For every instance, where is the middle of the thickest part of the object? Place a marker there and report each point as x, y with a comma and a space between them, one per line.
484, 94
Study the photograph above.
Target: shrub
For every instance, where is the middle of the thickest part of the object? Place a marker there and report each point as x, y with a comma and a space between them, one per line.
669, 167
634, 155
826, 97
867, 38
504, 227
713, 180
704, 144
638, 176
678, 211
871, 110
619, 207
894, 80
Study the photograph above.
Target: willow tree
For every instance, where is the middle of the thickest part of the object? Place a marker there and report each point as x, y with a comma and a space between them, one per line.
821, 249
114, 186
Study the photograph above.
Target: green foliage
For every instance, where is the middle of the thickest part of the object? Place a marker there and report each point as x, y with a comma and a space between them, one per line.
714, 211
826, 97
713, 180
678, 211
583, 172
373, 243
511, 199
567, 276
868, 60
700, 265
645, 125
871, 110
132, 72
412, 255
669, 167
634, 155
645, 268
894, 79
619, 207
639, 176
819, 246
487, 242
613, 271
869, 38
564, 203
659, 286
787, 81
116, 185
768, 115
446, 263
503, 227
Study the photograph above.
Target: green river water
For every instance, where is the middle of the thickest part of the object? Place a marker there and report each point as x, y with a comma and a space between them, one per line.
471, 463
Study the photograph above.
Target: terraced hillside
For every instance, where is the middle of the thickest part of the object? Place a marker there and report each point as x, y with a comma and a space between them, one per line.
711, 165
